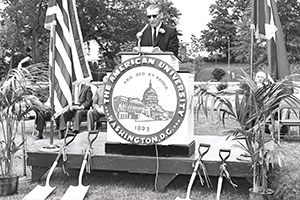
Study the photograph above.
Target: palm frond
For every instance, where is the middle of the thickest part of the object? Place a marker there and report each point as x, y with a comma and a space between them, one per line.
252, 109
18, 95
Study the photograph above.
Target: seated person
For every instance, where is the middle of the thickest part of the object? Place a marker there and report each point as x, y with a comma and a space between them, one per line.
40, 120
78, 111
97, 110
43, 113
262, 80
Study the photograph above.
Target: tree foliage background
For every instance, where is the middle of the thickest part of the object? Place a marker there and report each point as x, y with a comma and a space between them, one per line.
231, 22
113, 24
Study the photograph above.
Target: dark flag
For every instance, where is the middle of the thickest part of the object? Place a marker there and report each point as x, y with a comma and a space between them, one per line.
267, 25
258, 18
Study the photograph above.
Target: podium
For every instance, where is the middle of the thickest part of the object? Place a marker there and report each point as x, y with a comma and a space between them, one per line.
168, 57
150, 107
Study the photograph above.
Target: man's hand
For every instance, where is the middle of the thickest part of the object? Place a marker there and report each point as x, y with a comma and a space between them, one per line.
156, 49
76, 108
100, 109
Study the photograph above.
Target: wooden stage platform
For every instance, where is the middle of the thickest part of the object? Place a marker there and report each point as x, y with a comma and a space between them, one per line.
167, 168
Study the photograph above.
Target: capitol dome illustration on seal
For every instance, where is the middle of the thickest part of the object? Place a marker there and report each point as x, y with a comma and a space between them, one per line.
146, 109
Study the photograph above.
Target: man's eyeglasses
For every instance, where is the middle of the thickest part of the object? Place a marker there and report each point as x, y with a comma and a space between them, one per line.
153, 16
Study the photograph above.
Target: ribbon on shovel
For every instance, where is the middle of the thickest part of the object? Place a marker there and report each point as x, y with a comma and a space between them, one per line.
71, 137
205, 174
90, 150
225, 173
91, 153
65, 158
203, 149
224, 155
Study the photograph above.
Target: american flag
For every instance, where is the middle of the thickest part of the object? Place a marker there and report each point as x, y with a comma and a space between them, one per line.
66, 50
267, 25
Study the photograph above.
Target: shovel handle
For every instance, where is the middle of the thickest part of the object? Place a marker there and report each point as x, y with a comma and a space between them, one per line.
194, 173
206, 149
82, 167
91, 141
52, 168
73, 135
221, 154
219, 187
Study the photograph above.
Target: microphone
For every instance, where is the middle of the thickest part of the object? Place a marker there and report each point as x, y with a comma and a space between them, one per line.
139, 37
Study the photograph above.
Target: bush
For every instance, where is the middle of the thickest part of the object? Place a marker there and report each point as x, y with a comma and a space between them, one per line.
218, 74
244, 88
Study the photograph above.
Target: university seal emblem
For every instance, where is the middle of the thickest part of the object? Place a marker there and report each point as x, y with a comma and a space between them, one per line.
145, 100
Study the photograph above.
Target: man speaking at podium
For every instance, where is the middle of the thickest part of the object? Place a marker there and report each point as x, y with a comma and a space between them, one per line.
160, 36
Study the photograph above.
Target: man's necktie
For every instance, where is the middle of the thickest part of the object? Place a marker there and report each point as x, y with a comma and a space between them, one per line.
153, 36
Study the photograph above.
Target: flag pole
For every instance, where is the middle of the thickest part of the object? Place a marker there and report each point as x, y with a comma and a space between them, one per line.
52, 147
252, 30
228, 64
52, 68
269, 52
251, 52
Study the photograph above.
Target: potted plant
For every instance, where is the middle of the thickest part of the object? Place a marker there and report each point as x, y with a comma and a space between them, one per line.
17, 97
252, 109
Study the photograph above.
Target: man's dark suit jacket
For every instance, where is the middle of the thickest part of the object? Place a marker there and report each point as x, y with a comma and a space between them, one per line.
85, 97
167, 41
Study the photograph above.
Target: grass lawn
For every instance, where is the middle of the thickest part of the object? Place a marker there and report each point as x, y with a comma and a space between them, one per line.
208, 67
234, 68
124, 185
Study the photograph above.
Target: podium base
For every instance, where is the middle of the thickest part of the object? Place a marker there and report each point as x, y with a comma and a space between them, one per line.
162, 150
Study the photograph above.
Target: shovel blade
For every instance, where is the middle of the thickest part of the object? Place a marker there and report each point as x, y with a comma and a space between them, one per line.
75, 192
39, 193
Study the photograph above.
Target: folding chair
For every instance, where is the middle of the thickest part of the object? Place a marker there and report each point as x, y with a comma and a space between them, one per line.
288, 116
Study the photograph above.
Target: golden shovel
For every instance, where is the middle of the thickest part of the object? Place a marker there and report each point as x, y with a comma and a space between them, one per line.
42, 192
79, 192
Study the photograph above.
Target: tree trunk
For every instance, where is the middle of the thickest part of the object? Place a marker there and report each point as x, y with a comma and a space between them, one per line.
36, 57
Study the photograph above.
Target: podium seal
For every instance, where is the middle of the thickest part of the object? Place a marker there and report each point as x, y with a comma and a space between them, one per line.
145, 100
